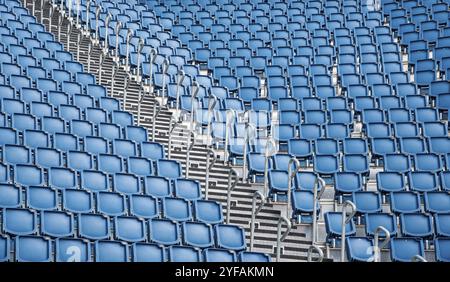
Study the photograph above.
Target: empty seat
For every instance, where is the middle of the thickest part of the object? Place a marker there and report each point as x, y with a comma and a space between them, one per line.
94, 180
230, 237
188, 189
218, 255
164, 232
416, 225
176, 209
367, 202
390, 182
197, 234
442, 249
19, 221
72, 250
112, 204
347, 182
77, 201
253, 257
62, 178
148, 253
358, 249
184, 254
111, 251
126, 183
57, 224
374, 220
157, 186
10, 196
93, 226
437, 202
168, 168
32, 249
130, 229
404, 249
422, 181
333, 221
405, 202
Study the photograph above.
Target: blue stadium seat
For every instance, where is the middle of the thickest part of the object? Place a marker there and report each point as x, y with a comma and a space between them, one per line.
10, 196
187, 189
130, 229
164, 232
416, 225
422, 181
333, 221
157, 186
347, 183
112, 204
184, 254
93, 226
176, 209
75, 200
367, 202
218, 255
437, 202
208, 211
32, 249
72, 250
405, 202
358, 249
148, 253
404, 249
230, 237
168, 168
94, 180
111, 251
126, 183
253, 257
197, 234
442, 249
390, 182
388, 221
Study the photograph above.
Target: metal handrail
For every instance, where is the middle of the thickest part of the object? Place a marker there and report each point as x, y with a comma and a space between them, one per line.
69, 15
318, 250
376, 248
97, 23
127, 55
165, 69
42, 11
250, 130
418, 258
346, 220
100, 68
60, 21
209, 166
50, 18
189, 146
79, 38
118, 28
174, 122
316, 197
151, 59
115, 70
193, 99
89, 56
88, 16
180, 78
266, 164
141, 96
33, 4
77, 22
106, 43
291, 175
139, 50
282, 238
126, 84
211, 105
228, 121
155, 114
69, 31
255, 211
232, 174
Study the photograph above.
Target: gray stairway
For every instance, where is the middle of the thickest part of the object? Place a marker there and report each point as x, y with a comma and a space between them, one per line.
296, 243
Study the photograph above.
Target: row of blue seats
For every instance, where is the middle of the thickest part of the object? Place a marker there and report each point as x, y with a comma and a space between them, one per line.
173, 207
39, 249
131, 229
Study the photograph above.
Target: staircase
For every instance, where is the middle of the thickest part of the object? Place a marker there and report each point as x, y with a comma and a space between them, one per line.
296, 244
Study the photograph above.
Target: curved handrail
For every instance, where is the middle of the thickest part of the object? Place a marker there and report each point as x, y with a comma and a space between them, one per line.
180, 79
165, 68
255, 211
316, 197
69, 31
97, 24
156, 112
172, 125
346, 219
151, 59
77, 22
60, 21
127, 48
107, 20
117, 30
318, 250
79, 38
115, 70
139, 50
232, 175
282, 238
190, 145
211, 105
126, 84
418, 258
228, 121
250, 132
209, 166
42, 11
100, 66
291, 175
376, 248
266, 164
88, 16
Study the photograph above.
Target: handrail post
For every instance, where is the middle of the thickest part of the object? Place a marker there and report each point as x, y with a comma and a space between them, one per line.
107, 20
319, 183
79, 38
418, 258
189, 147
211, 105
100, 68
88, 17
165, 69
266, 164
319, 251
69, 30
291, 175
228, 121
155, 114
50, 18
139, 50
115, 70
174, 122
77, 22
180, 79
232, 174
127, 55
33, 6
97, 23
209, 166
69, 15
193, 99
42, 11
141, 95
89, 56
250, 130
152, 58
376, 248
60, 21
282, 238
346, 220
255, 211
118, 28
